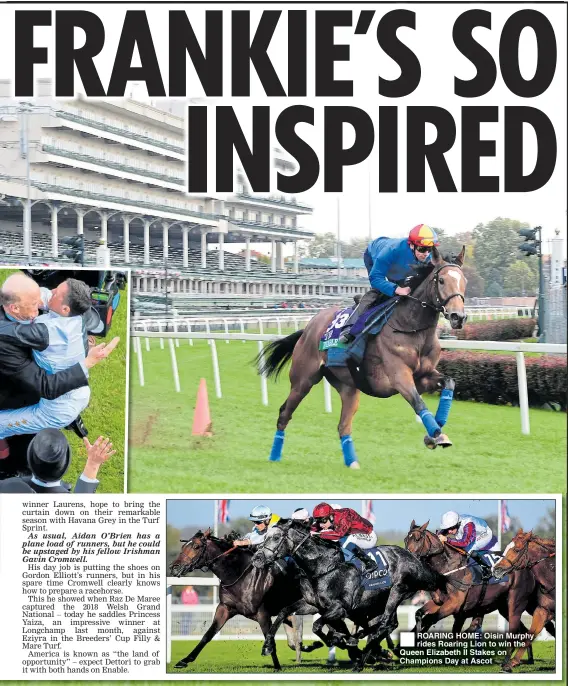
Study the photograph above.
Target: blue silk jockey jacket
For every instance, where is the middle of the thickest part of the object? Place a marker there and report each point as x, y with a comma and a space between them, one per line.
393, 260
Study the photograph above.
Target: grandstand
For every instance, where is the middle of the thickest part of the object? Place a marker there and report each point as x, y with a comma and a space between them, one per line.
114, 172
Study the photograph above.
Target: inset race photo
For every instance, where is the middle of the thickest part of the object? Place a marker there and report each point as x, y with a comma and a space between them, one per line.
335, 585
63, 380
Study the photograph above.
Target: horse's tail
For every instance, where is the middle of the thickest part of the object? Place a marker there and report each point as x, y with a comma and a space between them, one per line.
277, 354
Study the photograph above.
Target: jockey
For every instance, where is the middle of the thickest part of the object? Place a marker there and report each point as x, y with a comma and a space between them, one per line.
389, 262
469, 533
262, 518
335, 524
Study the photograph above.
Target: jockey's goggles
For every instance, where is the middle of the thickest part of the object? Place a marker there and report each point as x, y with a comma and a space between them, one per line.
259, 521
423, 248
322, 520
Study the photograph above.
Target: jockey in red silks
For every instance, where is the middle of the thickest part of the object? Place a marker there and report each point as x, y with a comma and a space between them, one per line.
344, 523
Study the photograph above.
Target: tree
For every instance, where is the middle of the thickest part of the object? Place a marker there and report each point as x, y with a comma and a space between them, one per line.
355, 248
546, 527
494, 290
475, 283
496, 247
323, 245
520, 279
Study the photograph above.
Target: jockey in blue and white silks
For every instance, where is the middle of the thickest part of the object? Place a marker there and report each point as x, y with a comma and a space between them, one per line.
68, 345
262, 518
471, 534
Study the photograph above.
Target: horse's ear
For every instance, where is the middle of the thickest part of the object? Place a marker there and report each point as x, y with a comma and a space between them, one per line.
424, 526
461, 257
207, 533
520, 532
413, 525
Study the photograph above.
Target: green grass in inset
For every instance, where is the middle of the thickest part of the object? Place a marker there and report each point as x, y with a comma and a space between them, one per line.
489, 455
107, 408
229, 657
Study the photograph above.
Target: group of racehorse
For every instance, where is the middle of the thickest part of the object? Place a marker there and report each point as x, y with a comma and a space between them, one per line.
295, 573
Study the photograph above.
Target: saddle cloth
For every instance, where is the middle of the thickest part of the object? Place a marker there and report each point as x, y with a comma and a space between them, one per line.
492, 558
380, 578
371, 322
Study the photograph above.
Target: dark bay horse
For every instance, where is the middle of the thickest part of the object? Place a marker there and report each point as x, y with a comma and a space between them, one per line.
402, 358
335, 587
527, 551
244, 590
457, 596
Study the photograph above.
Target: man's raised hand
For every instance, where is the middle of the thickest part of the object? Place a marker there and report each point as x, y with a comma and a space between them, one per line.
100, 352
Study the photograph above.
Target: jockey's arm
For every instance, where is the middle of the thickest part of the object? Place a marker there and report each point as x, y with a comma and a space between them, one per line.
467, 538
378, 274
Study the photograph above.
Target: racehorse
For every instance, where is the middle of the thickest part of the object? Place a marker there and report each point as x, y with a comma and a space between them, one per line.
243, 589
336, 590
456, 595
402, 358
527, 551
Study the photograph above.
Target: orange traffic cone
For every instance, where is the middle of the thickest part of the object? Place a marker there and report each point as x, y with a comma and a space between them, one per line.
201, 416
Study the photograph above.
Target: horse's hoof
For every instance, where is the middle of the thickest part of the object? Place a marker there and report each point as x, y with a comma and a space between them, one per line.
430, 442
181, 664
507, 668
267, 650
354, 465
444, 441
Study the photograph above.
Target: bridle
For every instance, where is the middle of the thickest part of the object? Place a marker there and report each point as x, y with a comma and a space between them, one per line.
199, 564
425, 540
522, 561
439, 304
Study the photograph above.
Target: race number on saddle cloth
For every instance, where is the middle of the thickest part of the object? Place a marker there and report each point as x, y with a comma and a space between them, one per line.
370, 323
68, 345
490, 558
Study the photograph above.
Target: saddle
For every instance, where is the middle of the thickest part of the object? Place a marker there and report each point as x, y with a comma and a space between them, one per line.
380, 578
492, 558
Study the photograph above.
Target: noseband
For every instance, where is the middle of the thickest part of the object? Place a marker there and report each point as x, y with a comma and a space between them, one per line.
439, 305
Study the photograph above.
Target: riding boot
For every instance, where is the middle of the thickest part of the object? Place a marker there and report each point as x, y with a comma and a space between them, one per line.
368, 564
366, 302
486, 571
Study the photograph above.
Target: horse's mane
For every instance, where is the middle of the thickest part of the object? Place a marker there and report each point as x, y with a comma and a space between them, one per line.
299, 526
542, 541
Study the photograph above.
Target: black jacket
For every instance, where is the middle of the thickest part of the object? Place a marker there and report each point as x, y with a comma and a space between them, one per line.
24, 484
22, 382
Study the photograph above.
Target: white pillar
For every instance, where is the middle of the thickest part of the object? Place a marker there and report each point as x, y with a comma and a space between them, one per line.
126, 236
247, 254
184, 235
203, 249
147, 241
523, 394
54, 236
280, 256
273, 257
80, 224
165, 238
221, 251
104, 228
296, 264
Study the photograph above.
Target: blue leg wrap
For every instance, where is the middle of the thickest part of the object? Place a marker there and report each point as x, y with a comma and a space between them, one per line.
429, 422
349, 454
444, 406
277, 445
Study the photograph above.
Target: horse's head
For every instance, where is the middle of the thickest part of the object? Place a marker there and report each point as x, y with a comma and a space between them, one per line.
421, 542
191, 555
449, 285
515, 555
275, 546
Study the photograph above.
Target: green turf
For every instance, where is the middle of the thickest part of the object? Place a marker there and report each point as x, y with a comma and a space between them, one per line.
244, 657
490, 455
107, 407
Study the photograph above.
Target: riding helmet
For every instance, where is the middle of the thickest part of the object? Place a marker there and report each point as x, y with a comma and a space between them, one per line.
322, 510
423, 235
259, 513
49, 455
449, 520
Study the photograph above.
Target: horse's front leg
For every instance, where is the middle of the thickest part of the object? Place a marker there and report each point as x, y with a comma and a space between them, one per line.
403, 381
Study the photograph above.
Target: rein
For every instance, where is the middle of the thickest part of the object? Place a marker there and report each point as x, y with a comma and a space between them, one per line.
519, 563
438, 307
